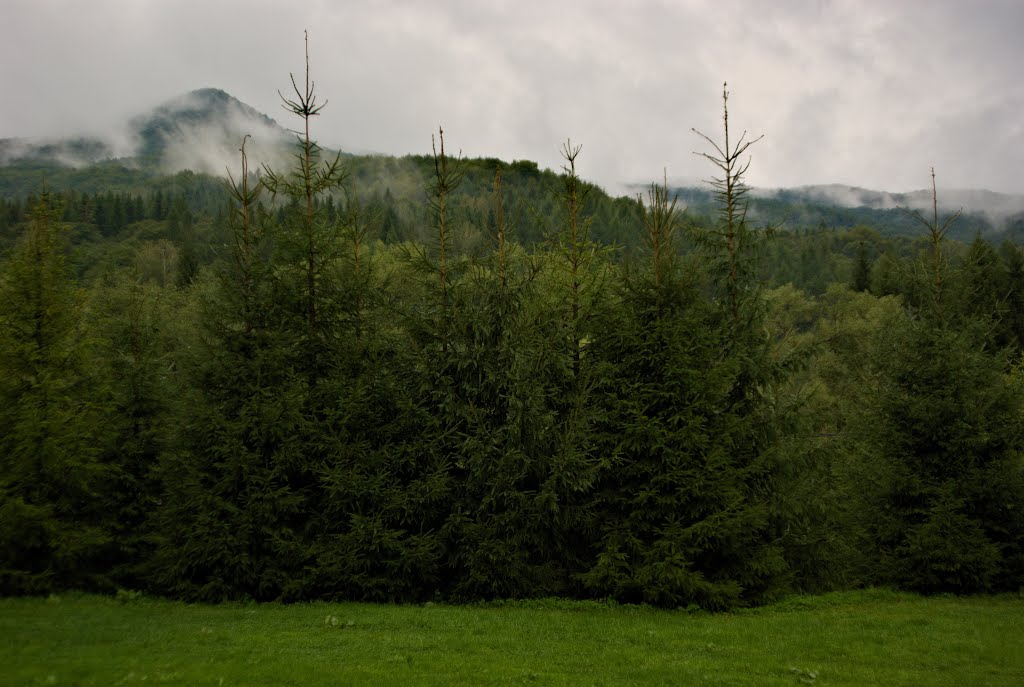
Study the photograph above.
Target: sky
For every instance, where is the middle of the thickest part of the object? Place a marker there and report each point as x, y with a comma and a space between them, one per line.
870, 93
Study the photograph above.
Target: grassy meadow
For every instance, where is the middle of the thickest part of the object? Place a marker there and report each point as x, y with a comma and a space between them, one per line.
874, 637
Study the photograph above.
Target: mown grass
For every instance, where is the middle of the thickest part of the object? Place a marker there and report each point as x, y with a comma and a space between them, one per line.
858, 638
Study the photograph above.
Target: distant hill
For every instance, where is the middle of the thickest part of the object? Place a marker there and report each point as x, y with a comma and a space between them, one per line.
202, 130
835, 206
199, 131
73, 152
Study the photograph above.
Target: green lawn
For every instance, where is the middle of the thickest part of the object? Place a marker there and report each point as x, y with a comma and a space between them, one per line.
859, 638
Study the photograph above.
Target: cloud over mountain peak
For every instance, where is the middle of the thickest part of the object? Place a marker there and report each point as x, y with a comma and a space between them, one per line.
201, 130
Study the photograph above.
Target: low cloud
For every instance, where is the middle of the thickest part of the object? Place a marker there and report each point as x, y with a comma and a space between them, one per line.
203, 131
867, 93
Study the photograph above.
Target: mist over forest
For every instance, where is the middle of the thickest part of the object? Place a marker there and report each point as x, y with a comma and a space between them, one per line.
237, 365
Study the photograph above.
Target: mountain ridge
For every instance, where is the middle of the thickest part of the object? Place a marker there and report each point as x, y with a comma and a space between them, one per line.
202, 130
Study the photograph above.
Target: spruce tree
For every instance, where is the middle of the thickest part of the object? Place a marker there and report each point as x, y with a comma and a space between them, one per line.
226, 527
55, 528
680, 516
579, 270
307, 245
948, 422
505, 535
861, 280
135, 327
745, 423
385, 491
1012, 320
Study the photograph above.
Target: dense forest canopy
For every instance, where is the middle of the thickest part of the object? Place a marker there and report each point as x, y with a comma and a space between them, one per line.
367, 377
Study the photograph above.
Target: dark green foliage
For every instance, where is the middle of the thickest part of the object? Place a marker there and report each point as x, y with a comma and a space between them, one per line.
237, 488
300, 474
824, 468
517, 493
508, 516
861, 280
503, 383
489, 373
993, 289
1012, 313
682, 511
681, 519
134, 327
811, 209
949, 421
55, 530
335, 390
384, 489
233, 487
384, 493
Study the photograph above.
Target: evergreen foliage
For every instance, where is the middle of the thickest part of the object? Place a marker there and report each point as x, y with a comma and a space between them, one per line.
861, 270
676, 522
134, 325
948, 421
513, 513
690, 425
226, 527
311, 384
55, 529
753, 419
384, 483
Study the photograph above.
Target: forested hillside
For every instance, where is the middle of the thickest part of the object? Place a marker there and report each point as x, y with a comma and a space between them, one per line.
362, 377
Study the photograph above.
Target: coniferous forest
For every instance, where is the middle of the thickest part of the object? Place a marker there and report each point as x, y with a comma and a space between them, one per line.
503, 384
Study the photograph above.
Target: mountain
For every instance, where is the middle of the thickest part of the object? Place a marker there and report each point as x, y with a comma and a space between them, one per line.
203, 130
996, 205
200, 131
982, 211
74, 152
835, 206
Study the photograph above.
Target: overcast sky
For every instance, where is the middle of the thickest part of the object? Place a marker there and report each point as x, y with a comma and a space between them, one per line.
870, 93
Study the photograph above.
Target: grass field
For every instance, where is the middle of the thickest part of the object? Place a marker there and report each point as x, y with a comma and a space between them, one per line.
859, 638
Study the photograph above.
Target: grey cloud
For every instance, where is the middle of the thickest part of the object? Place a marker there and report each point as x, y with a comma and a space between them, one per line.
870, 93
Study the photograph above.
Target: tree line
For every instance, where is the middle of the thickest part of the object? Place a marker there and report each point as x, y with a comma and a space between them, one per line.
320, 414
